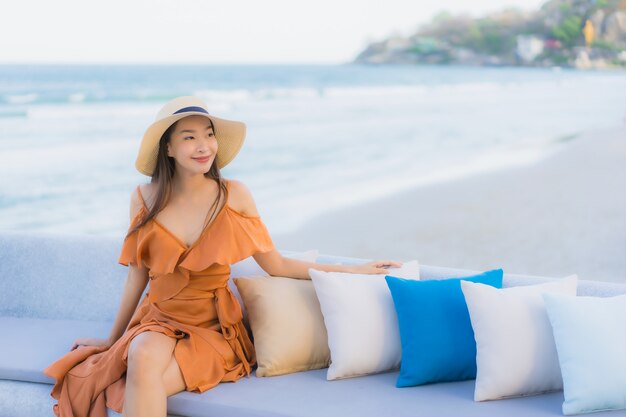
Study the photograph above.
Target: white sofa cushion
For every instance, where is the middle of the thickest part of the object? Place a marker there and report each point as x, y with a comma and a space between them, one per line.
590, 337
515, 351
360, 319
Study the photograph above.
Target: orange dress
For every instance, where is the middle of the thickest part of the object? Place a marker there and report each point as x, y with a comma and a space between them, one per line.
188, 299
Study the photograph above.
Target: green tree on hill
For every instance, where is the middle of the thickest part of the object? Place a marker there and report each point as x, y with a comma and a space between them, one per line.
490, 36
568, 31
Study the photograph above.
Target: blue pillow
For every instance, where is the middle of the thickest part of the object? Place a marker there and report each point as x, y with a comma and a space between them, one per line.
435, 330
590, 339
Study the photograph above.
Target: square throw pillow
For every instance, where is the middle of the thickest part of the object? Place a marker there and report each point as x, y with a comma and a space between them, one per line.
515, 351
360, 319
286, 323
435, 329
590, 337
250, 269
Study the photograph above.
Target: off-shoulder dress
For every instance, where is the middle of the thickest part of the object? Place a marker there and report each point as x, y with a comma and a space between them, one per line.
188, 299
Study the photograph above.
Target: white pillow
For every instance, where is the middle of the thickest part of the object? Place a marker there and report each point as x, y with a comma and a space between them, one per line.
515, 350
590, 337
250, 269
360, 319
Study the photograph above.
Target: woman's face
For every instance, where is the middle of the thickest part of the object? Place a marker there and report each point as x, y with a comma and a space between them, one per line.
193, 145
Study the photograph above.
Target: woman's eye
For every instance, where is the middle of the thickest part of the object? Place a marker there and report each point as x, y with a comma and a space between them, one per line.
188, 137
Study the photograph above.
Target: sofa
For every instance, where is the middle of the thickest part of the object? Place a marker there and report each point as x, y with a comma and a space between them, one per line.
55, 288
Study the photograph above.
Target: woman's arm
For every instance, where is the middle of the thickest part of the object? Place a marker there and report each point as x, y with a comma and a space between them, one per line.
275, 264
135, 284
134, 287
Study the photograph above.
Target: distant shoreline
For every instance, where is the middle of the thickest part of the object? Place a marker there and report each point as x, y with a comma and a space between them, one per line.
578, 34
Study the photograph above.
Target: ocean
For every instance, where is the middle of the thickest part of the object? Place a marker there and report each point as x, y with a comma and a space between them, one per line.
319, 137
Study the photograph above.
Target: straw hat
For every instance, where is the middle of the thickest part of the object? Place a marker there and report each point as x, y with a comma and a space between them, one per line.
230, 134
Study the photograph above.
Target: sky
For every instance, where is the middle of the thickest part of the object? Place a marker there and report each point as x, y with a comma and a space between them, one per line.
214, 32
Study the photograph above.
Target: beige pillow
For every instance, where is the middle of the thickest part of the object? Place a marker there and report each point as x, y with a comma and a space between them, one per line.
286, 323
250, 269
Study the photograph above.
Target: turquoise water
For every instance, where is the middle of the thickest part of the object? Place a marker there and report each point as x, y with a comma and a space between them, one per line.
319, 137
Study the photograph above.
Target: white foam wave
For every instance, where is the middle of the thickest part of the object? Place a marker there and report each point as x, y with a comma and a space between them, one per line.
22, 98
84, 111
77, 97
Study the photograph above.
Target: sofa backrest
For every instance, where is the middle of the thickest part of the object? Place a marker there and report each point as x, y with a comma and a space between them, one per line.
62, 277
78, 277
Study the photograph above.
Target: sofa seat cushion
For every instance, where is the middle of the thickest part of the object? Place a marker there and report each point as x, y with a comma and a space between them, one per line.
309, 394
32, 344
35, 343
29, 345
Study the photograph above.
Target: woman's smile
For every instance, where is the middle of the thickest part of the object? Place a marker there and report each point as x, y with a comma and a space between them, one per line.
203, 159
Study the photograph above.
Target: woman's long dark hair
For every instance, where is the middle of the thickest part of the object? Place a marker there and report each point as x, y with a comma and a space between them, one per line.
163, 176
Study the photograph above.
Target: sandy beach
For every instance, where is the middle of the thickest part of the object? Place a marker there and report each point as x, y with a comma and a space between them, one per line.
563, 214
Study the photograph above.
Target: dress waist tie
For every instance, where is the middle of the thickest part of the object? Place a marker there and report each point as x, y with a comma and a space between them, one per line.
230, 316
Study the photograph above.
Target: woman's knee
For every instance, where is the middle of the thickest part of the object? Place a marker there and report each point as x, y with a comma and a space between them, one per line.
149, 354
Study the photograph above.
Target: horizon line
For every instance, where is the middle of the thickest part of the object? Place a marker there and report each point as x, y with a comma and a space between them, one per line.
327, 63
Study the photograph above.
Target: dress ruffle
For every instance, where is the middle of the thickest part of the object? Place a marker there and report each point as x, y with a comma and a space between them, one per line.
170, 262
251, 236
129, 247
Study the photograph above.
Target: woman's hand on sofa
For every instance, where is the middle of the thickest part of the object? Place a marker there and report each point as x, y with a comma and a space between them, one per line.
91, 341
374, 267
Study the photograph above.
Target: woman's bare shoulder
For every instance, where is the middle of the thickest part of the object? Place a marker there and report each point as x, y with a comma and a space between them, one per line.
240, 198
144, 196
148, 191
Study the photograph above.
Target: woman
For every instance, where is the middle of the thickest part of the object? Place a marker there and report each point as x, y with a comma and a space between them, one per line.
188, 225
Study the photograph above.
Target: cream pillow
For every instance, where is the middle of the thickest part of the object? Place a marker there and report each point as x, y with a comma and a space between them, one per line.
250, 269
287, 324
361, 321
515, 350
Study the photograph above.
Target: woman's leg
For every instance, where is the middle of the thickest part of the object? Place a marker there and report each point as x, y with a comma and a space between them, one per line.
151, 376
173, 378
